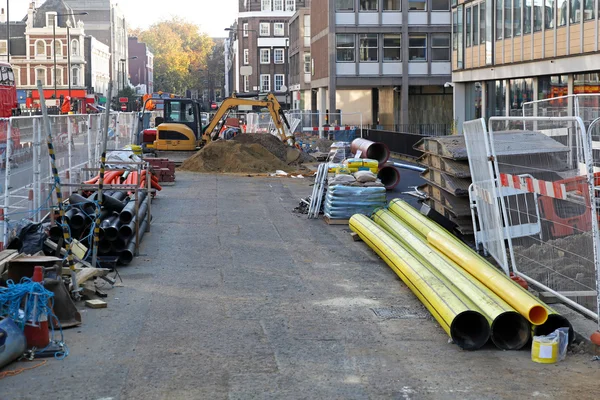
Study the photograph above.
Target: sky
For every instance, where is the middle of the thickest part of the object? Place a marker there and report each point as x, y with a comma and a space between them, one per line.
212, 16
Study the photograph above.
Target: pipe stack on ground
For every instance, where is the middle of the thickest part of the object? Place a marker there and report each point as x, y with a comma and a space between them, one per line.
388, 174
117, 230
509, 310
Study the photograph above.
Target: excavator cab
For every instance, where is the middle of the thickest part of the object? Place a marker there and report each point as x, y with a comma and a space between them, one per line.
177, 129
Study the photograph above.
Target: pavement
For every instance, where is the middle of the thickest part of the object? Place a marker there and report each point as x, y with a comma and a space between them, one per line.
236, 297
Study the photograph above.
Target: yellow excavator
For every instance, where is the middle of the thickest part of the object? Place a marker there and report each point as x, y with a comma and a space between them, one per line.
178, 132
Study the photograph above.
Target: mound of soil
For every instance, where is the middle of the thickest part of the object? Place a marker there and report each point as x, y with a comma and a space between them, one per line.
233, 156
279, 149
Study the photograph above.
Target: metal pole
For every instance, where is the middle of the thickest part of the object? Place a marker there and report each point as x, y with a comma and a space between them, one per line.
69, 58
7, 156
36, 170
59, 198
7, 31
70, 150
101, 183
54, 50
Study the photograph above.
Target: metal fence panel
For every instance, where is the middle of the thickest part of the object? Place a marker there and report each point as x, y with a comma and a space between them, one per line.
550, 161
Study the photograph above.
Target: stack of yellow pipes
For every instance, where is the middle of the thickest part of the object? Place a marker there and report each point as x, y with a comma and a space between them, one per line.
471, 299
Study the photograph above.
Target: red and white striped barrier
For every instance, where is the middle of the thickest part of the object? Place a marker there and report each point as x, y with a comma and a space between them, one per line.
531, 185
328, 128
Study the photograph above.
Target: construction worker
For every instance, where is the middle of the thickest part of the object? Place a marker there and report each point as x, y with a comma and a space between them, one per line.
149, 104
65, 108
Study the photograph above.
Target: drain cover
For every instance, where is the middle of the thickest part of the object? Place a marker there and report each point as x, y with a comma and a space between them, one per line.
400, 313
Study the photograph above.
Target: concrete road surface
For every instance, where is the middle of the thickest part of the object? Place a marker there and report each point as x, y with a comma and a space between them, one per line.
236, 297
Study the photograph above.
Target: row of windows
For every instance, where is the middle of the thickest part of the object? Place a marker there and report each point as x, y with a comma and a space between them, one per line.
265, 29
265, 56
391, 49
41, 48
278, 5
41, 75
391, 5
265, 83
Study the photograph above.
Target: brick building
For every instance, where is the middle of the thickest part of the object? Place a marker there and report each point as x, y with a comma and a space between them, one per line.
141, 70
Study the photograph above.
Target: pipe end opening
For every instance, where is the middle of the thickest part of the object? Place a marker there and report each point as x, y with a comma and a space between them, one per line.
510, 331
470, 330
126, 257
389, 176
538, 315
554, 322
378, 151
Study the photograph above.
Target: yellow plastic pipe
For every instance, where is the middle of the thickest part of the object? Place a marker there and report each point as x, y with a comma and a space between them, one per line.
457, 315
509, 329
473, 263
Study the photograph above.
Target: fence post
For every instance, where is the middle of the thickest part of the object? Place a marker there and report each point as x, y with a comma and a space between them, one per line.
90, 162
7, 156
37, 201
117, 132
70, 150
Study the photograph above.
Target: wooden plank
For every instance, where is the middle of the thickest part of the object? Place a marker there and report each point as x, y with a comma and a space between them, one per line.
458, 206
7, 256
456, 186
464, 225
331, 221
452, 147
96, 304
459, 169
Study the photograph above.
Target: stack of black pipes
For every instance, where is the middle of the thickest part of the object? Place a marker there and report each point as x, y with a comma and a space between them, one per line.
117, 226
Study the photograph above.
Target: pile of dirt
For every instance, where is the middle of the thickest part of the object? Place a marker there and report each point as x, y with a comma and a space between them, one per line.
276, 147
232, 157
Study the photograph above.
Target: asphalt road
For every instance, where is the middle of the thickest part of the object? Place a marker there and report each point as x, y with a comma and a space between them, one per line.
236, 297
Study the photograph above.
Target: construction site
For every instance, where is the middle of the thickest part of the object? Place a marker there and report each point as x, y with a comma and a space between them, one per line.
147, 256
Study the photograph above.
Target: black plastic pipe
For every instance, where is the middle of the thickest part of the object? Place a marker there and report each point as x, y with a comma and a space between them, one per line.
75, 218
108, 227
129, 211
85, 205
127, 230
126, 255
104, 247
56, 232
119, 244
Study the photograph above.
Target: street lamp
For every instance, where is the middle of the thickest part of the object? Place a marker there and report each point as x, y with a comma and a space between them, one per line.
257, 52
124, 60
68, 45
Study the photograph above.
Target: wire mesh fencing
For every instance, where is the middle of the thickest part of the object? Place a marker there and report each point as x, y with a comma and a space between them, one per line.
543, 181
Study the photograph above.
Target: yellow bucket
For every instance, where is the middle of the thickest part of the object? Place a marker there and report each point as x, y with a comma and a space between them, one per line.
544, 349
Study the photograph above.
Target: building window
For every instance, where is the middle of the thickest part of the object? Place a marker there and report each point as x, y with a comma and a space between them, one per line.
549, 21
344, 47
344, 5
59, 76
392, 5
561, 13
265, 5
290, 5
517, 18
440, 47
507, 19
58, 48
279, 82
499, 26
74, 47
440, 5
245, 29
588, 10
392, 46
460, 49
368, 5
40, 75
246, 84
417, 5
454, 30
50, 18
468, 27
40, 48
521, 91
307, 63
264, 29
278, 56
278, 29
3, 47
265, 83
482, 23
265, 56
537, 17
246, 56
575, 11
307, 31
417, 48
75, 76
17, 76
476, 25
368, 47
277, 5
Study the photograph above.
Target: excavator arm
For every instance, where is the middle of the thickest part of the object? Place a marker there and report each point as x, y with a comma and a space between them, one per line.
269, 103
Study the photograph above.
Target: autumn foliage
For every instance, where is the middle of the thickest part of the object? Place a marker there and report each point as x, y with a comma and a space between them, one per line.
180, 50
